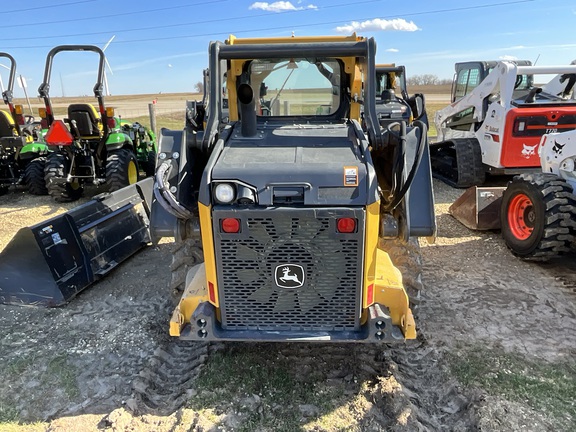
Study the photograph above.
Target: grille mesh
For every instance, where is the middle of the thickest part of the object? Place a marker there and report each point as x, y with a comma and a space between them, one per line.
249, 295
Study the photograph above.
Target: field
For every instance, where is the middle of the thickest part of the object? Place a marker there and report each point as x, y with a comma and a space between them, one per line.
495, 349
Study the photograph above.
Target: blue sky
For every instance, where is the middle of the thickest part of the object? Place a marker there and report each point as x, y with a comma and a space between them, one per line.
163, 46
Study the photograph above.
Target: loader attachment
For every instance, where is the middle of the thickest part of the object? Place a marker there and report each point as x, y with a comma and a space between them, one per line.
478, 208
51, 262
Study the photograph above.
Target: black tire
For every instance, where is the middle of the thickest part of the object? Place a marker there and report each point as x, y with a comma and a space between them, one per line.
55, 172
407, 258
149, 167
34, 176
538, 216
121, 169
3, 190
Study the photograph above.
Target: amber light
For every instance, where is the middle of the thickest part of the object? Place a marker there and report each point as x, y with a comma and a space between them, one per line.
230, 225
346, 225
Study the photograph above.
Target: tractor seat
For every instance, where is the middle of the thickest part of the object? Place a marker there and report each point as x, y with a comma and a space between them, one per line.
87, 120
388, 96
7, 128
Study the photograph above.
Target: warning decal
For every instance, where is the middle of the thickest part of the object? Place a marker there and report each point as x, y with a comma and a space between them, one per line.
350, 176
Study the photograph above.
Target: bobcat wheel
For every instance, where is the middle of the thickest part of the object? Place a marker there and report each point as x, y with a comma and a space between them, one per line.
121, 169
34, 176
537, 216
55, 172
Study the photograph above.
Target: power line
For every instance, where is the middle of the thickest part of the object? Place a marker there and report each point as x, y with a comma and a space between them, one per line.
292, 26
115, 15
51, 6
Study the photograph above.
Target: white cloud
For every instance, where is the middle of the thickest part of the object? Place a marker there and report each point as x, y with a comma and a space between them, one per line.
392, 50
377, 24
279, 6
508, 57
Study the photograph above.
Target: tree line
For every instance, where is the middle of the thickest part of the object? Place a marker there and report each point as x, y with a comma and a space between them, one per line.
427, 79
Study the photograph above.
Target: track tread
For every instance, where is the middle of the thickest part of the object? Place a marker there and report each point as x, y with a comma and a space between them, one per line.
464, 157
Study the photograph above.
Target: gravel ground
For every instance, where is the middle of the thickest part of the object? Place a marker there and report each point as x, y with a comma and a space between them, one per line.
79, 367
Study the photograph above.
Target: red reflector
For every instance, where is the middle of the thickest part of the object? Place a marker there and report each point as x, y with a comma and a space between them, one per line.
111, 122
59, 134
346, 225
370, 295
211, 292
230, 225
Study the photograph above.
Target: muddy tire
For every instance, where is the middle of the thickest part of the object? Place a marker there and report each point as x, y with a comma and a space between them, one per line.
34, 176
538, 216
121, 169
406, 256
185, 255
55, 172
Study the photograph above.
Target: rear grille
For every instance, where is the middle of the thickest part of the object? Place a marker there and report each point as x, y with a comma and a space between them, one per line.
301, 246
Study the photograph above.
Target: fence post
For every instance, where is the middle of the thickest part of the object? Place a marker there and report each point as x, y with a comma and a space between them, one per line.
152, 110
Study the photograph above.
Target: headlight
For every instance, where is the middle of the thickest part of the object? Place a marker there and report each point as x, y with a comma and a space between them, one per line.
224, 193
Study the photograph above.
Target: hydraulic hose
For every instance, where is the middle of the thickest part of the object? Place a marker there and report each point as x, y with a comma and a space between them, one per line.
398, 193
166, 198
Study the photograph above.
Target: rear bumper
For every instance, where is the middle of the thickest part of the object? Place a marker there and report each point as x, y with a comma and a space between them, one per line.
204, 326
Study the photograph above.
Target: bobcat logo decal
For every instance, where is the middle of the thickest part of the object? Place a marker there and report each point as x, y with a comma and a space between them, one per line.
528, 151
557, 148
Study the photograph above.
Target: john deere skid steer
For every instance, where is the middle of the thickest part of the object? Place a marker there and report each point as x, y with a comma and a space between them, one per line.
286, 199
90, 145
22, 156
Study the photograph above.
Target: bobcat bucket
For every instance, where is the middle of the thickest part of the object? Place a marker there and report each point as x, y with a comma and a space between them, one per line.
51, 262
478, 208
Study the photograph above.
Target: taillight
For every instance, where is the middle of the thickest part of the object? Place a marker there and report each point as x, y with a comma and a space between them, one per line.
59, 134
346, 225
111, 122
230, 225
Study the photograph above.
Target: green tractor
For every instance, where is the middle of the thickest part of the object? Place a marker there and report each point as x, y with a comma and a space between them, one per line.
22, 158
91, 145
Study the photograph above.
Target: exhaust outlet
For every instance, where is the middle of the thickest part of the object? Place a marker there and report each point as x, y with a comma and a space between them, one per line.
247, 110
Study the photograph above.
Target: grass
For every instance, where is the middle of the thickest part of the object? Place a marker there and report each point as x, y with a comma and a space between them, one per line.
546, 387
263, 388
65, 374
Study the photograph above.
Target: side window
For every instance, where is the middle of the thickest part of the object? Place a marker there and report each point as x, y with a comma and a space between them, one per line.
461, 83
466, 81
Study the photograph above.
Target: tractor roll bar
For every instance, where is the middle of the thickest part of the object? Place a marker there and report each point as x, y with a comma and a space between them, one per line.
7, 94
45, 86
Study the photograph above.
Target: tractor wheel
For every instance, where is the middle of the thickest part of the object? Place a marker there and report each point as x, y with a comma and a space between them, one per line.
407, 258
55, 172
149, 166
538, 216
121, 169
470, 171
185, 254
34, 176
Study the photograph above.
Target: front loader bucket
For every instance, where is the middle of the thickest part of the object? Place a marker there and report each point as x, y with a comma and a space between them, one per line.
49, 263
479, 207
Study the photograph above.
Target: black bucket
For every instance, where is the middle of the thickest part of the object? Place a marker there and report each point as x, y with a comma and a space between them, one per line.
49, 263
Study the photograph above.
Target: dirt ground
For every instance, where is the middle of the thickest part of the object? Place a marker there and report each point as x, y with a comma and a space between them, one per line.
105, 362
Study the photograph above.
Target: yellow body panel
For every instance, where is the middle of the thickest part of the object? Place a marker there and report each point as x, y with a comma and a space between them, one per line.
370, 247
196, 292
205, 213
389, 291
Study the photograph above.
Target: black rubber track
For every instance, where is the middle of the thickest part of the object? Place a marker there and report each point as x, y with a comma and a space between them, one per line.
34, 176
555, 213
458, 162
55, 179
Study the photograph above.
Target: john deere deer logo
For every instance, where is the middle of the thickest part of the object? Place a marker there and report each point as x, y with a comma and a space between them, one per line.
289, 276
